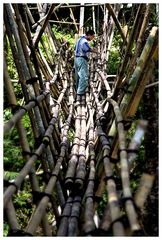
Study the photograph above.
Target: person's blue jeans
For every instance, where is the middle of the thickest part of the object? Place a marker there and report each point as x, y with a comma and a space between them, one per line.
81, 74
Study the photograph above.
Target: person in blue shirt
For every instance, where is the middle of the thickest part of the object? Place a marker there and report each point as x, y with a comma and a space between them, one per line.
82, 50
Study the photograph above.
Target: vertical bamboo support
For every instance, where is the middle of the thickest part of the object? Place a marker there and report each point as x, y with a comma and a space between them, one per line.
81, 20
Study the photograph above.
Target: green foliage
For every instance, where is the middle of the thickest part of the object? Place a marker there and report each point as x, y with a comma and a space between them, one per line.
5, 229
139, 163
71, 135
63, 35
131, 131
11, 175
29, 132
13, 160
154, 16
23, 205
45, 42
18, 91
10, 61
22, 199
7, 114
114, 56
13, 74
114, 61
102, 204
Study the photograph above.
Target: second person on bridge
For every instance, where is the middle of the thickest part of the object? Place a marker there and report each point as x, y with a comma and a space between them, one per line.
82, 50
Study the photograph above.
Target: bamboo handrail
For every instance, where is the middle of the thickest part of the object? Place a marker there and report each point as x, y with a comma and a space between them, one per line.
23, 109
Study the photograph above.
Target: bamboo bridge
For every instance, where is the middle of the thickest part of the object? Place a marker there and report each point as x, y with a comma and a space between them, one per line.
80, 142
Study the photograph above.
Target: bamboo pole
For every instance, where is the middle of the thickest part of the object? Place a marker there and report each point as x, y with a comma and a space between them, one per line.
136, 142
142, 63
18, 115
11, 216
49, 188
11, 189
129, 207
146, 183
63, 227
81, 167
34, 85
45, 17
81, 21
35, 61
64, 22
113, 201
73, 226
81, 5
20, 62
93, 16
89, 224
11, 28
139, 90
135, 79
128, 49
109, 7
22, 134
72, 164
52, 8
29, 14
72, 17
139, 42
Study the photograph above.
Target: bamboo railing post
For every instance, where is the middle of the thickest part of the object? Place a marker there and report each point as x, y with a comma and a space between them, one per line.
93, 16
81, 20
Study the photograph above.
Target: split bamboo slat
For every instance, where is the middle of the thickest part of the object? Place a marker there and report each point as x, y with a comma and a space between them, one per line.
80, 150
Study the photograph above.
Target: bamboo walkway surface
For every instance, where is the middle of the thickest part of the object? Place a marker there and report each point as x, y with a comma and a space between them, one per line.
80, 142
